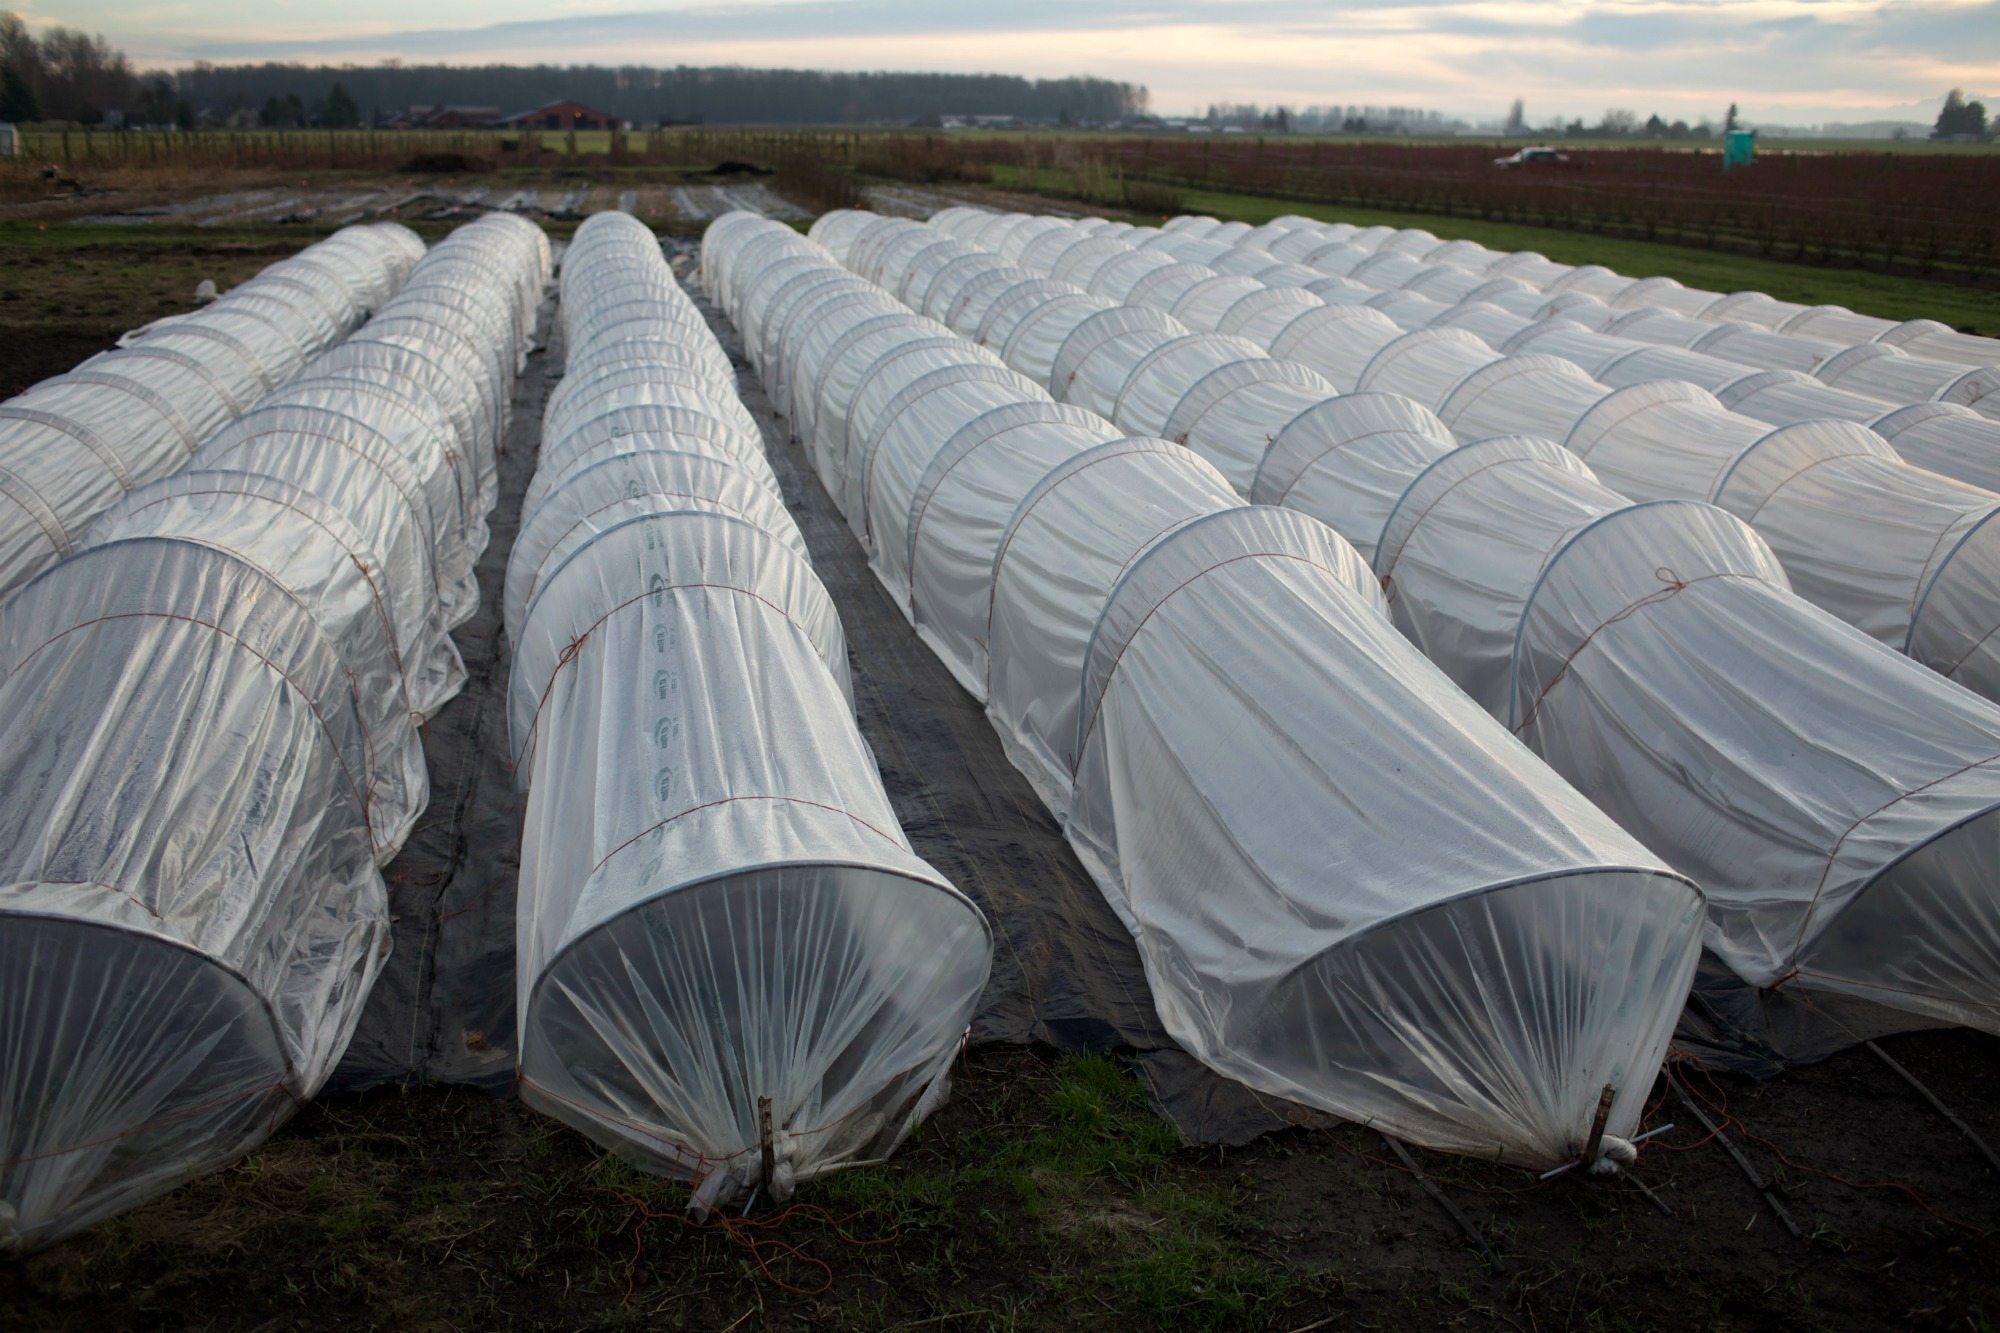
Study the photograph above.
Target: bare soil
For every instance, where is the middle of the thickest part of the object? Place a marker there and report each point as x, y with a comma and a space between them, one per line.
1027, 1204
60, 304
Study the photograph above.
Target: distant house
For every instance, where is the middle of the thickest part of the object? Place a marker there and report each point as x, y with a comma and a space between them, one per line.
445, 118
563, 115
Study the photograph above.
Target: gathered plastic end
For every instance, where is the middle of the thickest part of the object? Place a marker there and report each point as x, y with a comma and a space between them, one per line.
757, 1030
1615, 1156
1490, 1024
132, 1063
1948, 971
714, 1190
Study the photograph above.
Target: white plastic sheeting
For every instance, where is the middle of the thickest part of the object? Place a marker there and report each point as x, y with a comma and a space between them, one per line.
1945, 438
1748, 329
190, 913
1898, 552
212, 710
1426, 366
1550, 375
1201, 689
911, 436
1095, 360
1522, 394
1956, 440
1843, 817
1616, 361
1355, 994
1038, 635
960, 511
1960, 442
1231, 415
1021, 300
1912, 362
1743, 344
1348, 460
1848, 801
308, 548
1928, 338
721, 926
1906, 556
1159, 380
71, 445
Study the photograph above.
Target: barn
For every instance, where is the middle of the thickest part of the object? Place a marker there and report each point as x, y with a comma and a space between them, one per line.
563, 115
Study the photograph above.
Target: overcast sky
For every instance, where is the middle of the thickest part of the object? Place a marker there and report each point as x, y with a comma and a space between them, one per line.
1786, 60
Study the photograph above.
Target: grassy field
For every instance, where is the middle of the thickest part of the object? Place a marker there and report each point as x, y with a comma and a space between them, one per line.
68, 292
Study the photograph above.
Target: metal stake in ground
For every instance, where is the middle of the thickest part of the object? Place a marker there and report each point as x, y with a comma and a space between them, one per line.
1592, 1144
1493, 1260
1937, 1105
1736, 1155
764, 1143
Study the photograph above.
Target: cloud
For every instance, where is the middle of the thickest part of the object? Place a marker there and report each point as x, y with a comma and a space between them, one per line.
1815, 59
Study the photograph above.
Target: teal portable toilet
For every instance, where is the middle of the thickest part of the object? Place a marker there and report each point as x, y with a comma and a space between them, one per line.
1737, 148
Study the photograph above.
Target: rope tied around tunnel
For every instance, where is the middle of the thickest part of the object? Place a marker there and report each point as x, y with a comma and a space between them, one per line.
1671, 585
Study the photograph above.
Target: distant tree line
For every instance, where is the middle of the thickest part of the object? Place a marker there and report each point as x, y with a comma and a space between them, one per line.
72, 76
336, 111
1616, 123
63, 75
646, 95
1622, 123
1328, 119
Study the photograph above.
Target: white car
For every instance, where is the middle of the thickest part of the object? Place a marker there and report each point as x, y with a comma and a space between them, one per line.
1535, 157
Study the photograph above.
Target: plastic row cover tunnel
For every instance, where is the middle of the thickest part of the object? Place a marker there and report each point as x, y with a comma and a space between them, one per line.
1833, 327
1930, 391
1244, 752
730, 957
1844, 814
72, 445
1855, 790
209, 745
1322, 296
1900, 552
